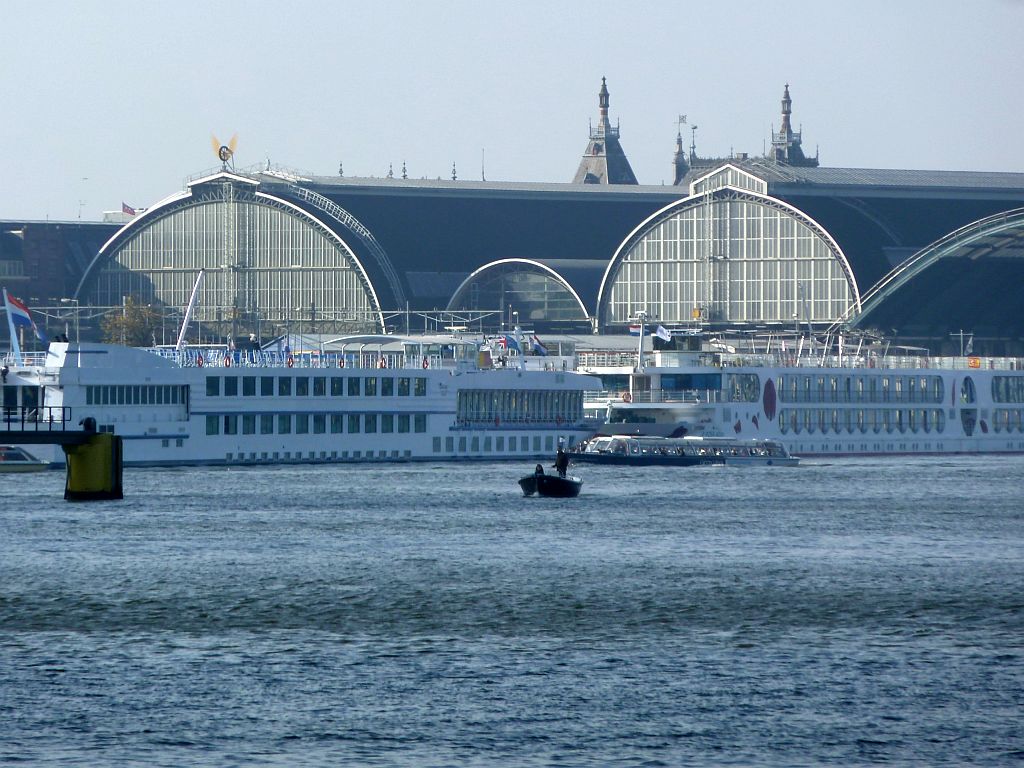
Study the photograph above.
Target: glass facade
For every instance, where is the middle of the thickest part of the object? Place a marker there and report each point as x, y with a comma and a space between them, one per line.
266, 263
539, 298
729, 257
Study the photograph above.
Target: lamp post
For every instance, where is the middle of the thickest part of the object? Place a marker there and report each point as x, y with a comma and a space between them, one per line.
78, 338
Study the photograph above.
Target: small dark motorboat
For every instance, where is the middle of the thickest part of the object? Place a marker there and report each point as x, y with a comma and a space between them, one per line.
551, 485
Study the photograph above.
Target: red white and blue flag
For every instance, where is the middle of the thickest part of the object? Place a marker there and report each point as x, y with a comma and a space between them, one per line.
538, 347
508, 342
19, 315
127, 209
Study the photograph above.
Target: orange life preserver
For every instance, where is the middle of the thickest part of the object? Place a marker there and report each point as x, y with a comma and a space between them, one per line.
227, 361
426, 363
341, 362
290, 361
199, 361
382, 363
627, 398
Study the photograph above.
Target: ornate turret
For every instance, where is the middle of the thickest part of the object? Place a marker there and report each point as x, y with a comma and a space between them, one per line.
679, 160
604, 161
786, 142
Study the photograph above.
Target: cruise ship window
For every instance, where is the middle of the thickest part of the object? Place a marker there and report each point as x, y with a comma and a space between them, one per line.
387, 422
249, 424
266, 423
319, 423
353, 386
231, 386
212, 425
370, 386
419, 422
337, 385
337, 423
421, 386
370, 422
353, 422
387, 387
301, 386
212, 386
249, 386
403, 422
284, 423
230, 424
403, 386
319, 386
284, 386
301, 423
266, 386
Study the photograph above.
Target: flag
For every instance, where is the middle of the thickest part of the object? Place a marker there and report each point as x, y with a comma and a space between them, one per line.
20, 315
538, 348
970, 345
662, 334
125, 208
508, 342
634, 330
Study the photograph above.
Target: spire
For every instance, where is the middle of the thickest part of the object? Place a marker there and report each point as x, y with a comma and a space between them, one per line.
787, 110
786, 142
602, 100
604, 161
679, 160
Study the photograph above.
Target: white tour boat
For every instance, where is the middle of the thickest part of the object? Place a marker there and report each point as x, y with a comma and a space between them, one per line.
372, 398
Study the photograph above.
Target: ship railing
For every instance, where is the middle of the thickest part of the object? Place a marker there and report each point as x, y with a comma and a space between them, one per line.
220, 358
40, 418
670, 396
868, 361
34, 359
605, 359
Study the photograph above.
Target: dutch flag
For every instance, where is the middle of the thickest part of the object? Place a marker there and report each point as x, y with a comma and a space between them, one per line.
19, 315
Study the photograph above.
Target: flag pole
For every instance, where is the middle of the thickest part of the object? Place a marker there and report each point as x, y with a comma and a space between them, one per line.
15, 347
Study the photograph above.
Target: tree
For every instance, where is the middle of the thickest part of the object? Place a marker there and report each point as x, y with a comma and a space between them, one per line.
134, 326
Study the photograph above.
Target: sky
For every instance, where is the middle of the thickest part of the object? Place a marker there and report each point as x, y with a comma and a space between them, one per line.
110, 102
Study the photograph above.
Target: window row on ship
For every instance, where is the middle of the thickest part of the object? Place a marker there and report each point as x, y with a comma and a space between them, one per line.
888, 420
314, 423
316, 386
837, 388
496, 406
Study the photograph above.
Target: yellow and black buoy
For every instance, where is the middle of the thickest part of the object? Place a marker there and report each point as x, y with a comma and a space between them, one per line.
96, 467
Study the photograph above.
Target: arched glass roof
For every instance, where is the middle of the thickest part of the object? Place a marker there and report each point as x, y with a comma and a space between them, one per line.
724, 257
529, 292
269, 264
967, 281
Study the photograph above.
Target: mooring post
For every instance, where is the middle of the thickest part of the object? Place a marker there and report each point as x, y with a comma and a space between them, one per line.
95, 468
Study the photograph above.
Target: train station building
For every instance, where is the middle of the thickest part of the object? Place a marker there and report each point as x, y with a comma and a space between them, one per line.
737, 243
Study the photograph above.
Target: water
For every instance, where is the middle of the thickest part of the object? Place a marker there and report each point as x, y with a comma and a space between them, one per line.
853, 612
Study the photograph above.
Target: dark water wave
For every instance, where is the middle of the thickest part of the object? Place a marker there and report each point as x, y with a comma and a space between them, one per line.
845, 613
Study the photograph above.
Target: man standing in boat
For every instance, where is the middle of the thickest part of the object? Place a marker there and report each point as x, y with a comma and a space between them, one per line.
561, 461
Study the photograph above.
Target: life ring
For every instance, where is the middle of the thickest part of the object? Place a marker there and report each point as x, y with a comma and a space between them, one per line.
199, 361
382, 363
341, 362
290, 361
426, 363
627, 398
227, 361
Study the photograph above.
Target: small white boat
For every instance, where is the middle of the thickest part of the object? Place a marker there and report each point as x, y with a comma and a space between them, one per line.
14, 459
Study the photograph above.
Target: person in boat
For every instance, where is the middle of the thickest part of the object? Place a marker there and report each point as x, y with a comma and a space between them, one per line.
538, 470
561, 461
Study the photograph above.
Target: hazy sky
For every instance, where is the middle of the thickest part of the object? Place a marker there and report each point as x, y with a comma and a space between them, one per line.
110, 101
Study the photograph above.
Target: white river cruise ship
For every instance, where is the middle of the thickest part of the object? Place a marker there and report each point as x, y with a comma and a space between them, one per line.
374, 398
867, 400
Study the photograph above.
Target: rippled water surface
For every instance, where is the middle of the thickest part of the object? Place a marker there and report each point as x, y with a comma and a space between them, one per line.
852, 612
